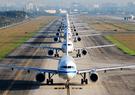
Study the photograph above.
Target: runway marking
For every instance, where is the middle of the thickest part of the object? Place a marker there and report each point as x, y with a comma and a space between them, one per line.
77, 88
68, 91
59, 88
18, 74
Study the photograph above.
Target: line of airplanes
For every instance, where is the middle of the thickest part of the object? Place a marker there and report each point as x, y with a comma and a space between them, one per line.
67, 68
72, 37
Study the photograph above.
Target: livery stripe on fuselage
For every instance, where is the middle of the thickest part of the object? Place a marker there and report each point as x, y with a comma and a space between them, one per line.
67, 71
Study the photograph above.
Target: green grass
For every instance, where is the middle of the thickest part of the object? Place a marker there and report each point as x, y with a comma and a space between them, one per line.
14, 41
13, 45
120, 45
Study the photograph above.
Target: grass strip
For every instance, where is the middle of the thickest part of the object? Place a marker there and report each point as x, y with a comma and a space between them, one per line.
14, 37
120, 45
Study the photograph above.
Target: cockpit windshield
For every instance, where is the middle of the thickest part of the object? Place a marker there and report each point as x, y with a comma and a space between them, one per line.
67, 67
68, 44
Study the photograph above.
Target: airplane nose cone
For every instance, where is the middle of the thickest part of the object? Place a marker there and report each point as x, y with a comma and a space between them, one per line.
68, 76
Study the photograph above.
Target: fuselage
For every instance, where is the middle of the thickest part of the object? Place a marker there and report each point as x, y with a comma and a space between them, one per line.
69, 35
67, 46
67, 68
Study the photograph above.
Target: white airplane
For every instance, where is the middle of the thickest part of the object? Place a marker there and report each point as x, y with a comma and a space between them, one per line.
62, 33
131, 17
66, 70
80, 50
72, 36
71, 48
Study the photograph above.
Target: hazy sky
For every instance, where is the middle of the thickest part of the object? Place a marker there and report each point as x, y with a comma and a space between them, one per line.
63, 2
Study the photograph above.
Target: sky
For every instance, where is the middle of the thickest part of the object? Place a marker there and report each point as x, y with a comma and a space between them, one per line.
62, 2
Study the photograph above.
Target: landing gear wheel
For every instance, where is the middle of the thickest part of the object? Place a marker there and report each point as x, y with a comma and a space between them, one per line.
47, 81
78, 55
60, 41
56, 55
50, 81
67, 86
84, 81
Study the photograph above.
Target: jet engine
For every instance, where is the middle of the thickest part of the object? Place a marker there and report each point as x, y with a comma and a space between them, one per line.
50, 52
79, 39
58, 30
40, 77
93, 76
77, 34
56, 39
57, 34
84, 52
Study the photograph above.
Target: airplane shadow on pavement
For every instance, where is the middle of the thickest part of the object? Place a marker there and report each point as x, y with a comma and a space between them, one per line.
27, 85
19, 85
31, 57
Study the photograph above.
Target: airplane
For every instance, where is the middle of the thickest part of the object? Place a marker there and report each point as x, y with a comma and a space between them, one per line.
72, 36
67, 70
80, 50
131, 17
62, 33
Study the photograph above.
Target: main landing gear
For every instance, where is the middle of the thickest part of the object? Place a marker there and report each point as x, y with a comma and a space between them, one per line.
78, 53
67, 84
56, 54
84, 80
49, 80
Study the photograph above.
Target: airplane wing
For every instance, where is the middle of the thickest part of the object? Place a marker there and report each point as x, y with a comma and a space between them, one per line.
106, 69
88, 35
100, 46
36, 69
47, 36
48, 32
94, 47
28, 68
45, 47
41, 36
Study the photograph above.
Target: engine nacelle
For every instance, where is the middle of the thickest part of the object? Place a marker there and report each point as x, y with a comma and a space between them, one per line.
93, 76
84, 52
50, 52
56, 39
57, 34
77, 34
40, 77
59, 29
79, 39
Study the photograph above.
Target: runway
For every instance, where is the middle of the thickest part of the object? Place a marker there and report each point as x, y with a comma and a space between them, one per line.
110, 83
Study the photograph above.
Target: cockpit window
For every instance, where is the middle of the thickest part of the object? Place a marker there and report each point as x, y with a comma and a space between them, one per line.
68, 44
67, 67
70, 67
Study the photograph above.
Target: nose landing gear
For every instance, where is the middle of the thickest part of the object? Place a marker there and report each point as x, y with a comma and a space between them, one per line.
67, 84
56, 54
